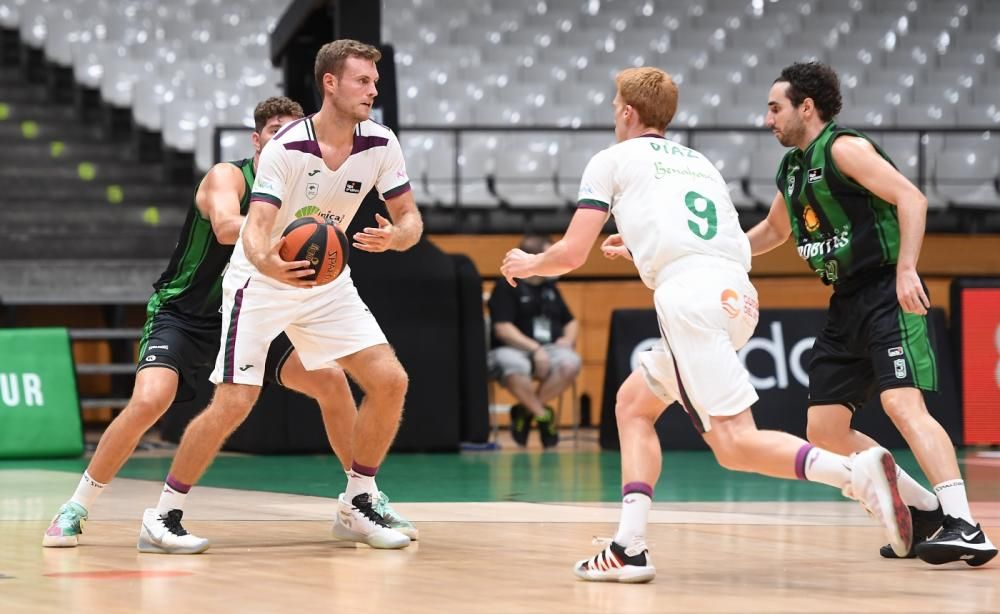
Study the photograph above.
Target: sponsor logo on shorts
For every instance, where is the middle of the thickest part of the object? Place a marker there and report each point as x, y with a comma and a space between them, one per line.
815, 174
245, 367
353, 187
150, 358
896, 351
159, 347
730, 302
312, 189
900, 365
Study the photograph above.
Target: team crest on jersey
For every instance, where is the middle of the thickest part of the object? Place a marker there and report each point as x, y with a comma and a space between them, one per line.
312, 189
815, 174
791, 183
810, 218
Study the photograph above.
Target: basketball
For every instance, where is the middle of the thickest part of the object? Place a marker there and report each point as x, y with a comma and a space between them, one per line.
323, 244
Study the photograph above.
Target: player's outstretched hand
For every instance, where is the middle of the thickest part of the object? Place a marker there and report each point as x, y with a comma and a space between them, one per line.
613, 247
289, 272
517, 264
375, 239
910, 292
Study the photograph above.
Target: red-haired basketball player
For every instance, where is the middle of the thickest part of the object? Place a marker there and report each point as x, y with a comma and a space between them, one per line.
679, 226
323, 164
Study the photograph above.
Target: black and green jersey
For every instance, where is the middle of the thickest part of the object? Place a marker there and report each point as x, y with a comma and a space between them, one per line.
191, 286
841, 229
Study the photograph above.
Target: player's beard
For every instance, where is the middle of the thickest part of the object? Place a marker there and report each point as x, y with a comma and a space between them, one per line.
791, 133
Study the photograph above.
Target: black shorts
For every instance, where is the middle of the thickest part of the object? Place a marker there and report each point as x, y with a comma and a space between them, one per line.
189, 348
868, 345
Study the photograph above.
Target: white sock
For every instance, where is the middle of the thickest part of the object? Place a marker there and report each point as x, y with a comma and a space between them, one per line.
954, 501
170, 499
87, 491
358, 484
635, 513
827, 468
913, 493
347, 472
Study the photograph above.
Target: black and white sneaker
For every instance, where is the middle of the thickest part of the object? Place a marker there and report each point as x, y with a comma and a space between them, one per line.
925, 524
618, 564
358, 521
165, 535
957, 540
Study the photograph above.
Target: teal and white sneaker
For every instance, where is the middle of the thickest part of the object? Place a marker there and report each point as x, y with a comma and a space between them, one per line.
66, 527
394, 518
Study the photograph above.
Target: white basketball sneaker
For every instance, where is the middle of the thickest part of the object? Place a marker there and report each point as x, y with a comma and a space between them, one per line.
165, 535
358, 521
873, 480
618, 563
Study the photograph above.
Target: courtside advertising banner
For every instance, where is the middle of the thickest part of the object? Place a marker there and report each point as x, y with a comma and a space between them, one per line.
981, 364
777, 357
39, 408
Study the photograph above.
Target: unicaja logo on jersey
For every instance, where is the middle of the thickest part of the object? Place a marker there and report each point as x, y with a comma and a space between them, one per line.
730, 302
304, 211
810, 217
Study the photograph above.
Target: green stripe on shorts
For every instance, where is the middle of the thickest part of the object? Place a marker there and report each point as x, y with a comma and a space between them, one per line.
919, 352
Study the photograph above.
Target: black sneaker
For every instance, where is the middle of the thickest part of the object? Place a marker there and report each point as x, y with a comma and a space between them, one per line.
925, 524
957, 541
618, 564
548, 429
520, 424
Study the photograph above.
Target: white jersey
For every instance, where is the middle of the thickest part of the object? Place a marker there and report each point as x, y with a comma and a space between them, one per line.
669, 202
292, 176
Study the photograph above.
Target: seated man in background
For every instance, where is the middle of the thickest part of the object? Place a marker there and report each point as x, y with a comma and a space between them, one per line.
533, 338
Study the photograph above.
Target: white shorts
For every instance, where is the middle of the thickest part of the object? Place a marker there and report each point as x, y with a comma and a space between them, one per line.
324, 323
705, 316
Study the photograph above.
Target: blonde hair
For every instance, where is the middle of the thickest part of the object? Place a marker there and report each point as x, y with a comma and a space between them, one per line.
332, 56
651, 92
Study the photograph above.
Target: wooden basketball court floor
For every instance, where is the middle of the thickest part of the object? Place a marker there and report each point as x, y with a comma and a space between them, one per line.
499, 532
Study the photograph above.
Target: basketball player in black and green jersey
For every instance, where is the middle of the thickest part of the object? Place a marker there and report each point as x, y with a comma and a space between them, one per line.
182, 334
859, 223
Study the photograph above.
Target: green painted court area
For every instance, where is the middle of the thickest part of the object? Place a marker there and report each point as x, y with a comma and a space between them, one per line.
485, 476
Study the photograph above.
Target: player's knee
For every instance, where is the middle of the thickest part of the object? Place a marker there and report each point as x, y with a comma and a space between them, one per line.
144, 411
393, 382
821, 433
328, 383
902, 409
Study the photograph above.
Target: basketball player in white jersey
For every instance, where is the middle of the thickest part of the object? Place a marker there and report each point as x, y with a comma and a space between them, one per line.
679, 226
323, 164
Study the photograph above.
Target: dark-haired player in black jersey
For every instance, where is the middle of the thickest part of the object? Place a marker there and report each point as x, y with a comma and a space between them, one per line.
858, 223
183, 331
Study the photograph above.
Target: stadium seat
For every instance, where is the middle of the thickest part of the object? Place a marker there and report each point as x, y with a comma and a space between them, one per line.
526, 175
968, 178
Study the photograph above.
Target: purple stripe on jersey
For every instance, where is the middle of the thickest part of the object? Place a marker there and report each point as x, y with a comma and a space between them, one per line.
286, 128
398, 190
234, 322
361, 143
265, 198
308, 146
653, 135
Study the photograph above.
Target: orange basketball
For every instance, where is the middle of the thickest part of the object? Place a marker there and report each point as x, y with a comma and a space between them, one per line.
323, 244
